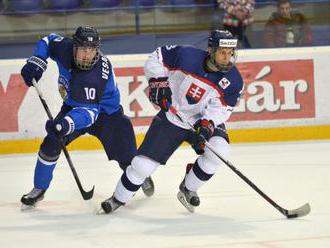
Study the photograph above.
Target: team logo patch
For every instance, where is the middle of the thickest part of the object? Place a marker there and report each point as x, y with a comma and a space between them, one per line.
224, 83
63, 86
57, 39
194, 94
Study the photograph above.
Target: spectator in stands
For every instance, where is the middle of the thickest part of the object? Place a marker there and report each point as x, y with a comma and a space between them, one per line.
237, 16
286, 28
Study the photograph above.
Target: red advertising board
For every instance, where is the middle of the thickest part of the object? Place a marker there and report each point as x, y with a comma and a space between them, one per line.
276, 90
273, 90
11, 99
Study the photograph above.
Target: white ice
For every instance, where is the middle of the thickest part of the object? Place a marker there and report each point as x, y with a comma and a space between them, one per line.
231, 214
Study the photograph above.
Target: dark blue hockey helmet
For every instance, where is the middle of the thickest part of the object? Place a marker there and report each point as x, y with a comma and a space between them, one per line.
221, 39
86, 38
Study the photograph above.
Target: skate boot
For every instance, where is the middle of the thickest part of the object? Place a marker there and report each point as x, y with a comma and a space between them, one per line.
30, 199
188, 199
148, 187
110, 205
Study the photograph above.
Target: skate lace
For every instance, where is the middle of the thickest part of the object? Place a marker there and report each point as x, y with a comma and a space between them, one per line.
34, 192
190, 194
187, 193
113, 203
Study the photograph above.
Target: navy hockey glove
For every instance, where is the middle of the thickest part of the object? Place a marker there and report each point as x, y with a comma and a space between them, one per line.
57, 129
204, 130
160, 92
33, 68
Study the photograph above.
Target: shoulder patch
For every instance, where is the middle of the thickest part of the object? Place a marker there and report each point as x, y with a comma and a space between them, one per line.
59, 39
169, 47
224, 83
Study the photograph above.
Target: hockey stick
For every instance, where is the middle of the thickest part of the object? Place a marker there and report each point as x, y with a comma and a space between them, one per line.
294, 213
86, 195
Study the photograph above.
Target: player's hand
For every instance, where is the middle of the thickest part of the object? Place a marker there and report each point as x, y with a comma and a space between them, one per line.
33, 68
57, 129
160, 92
204, 130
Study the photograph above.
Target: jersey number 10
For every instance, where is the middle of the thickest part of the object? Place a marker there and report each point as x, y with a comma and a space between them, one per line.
90, 93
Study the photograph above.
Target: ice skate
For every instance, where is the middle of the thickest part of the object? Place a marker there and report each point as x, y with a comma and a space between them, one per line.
148, 187
30, 199
188, 199
109, 205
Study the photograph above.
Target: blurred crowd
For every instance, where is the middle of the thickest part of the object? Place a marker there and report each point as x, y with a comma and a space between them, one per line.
284, 28
282, 25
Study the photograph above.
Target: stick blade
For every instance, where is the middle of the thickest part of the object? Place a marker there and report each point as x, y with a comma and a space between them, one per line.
87, 194
299, 212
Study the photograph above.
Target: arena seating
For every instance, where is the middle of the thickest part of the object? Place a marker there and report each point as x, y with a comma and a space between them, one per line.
202, 2
104, 3
64, 4
25, 5
144, 3
35, 6
181, 2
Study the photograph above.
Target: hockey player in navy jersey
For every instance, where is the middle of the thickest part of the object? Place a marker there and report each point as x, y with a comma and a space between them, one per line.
204, 86
91, 104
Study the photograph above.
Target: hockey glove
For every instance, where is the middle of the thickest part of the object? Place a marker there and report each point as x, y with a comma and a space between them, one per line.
160, 92
57, 129
204, 130
33, 68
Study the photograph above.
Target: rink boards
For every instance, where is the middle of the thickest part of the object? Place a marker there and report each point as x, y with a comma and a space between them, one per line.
285, 98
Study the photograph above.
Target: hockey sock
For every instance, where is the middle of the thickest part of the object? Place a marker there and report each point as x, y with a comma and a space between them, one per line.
43, 173
196, 178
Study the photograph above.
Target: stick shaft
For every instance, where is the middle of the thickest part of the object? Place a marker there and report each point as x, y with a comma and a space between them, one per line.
85, 194
231, 166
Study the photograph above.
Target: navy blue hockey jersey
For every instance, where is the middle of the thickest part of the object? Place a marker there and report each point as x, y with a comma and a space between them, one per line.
88, 92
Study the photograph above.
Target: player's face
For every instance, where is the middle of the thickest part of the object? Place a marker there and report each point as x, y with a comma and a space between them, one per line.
85, 55
284, 10
223, 55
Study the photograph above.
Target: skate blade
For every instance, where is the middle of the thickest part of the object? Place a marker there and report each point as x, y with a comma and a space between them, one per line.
148, 192
183, 201
27, 207
100, 212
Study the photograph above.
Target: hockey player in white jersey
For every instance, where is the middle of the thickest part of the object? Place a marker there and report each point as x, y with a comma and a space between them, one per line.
204, 86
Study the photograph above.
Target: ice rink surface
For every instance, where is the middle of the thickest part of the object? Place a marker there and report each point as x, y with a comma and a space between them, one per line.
231, 214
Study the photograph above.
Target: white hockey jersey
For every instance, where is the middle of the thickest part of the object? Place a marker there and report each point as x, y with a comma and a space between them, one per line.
196, 92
